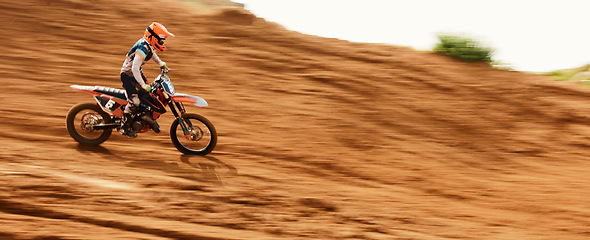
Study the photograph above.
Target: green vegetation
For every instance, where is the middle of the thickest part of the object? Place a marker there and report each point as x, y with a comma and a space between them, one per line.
574, 74
502, 65
561, 75
463, 48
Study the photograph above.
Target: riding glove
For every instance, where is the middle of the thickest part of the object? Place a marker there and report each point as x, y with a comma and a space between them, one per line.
163, 66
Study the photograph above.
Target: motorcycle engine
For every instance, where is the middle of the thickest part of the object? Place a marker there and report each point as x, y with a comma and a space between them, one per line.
138, 125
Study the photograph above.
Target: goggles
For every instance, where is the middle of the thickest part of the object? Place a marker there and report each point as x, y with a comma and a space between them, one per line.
160, 39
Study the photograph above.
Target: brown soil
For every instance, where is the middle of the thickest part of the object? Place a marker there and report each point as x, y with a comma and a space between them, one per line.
318, 138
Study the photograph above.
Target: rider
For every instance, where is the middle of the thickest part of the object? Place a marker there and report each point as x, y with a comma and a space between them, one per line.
134, 81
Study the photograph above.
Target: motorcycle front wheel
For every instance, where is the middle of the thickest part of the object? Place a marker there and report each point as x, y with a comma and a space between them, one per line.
81, 120
195, 135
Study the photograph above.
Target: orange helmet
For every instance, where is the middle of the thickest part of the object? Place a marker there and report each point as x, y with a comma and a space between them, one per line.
155, 34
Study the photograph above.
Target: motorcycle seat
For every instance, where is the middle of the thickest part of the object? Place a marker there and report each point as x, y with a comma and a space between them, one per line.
118, 93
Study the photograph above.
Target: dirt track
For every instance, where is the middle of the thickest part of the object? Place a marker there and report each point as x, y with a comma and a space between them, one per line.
319, 138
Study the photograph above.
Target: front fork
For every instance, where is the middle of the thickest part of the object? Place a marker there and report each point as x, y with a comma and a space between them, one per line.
178, 114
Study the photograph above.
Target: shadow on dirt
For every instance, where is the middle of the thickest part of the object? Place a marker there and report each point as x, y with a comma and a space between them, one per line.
97, 149
210, 166
193, 167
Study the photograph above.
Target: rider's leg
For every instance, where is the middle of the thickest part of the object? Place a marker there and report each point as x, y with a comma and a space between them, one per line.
132, 92
129, 111
131, 107
133, 103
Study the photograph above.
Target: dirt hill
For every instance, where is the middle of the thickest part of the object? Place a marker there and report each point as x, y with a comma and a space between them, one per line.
318, 138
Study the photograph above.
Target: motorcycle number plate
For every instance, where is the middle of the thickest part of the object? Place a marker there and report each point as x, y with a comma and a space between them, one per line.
168, 87
107, 104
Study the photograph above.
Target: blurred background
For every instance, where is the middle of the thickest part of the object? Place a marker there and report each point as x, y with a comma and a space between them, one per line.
532, 36
319, 137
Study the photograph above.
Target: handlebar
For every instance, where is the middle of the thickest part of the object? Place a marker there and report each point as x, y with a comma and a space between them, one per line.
157, 83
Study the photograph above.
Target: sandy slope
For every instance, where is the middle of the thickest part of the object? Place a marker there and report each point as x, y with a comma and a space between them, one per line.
319, 138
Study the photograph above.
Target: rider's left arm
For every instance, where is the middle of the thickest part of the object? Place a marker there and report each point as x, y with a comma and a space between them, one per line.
158, 61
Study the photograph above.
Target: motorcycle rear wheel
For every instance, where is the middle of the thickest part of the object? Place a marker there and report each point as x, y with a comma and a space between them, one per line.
81, 119
201, 138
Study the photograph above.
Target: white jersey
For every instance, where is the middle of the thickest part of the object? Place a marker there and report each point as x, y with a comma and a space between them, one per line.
139, 54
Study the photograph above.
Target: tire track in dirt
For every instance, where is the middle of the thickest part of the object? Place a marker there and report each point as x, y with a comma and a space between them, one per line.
158, 228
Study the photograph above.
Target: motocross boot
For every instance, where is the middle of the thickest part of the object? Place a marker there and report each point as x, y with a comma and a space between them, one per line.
126, 126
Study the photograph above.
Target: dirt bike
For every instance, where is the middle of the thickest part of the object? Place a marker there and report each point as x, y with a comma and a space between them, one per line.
92, 123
